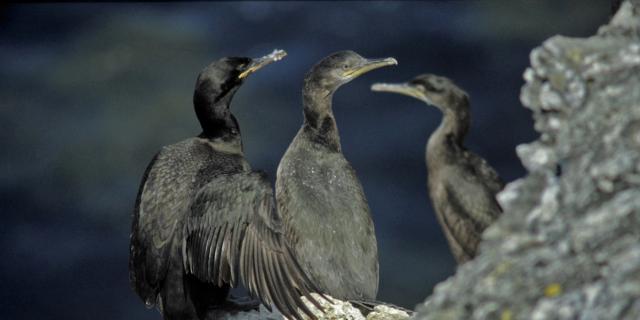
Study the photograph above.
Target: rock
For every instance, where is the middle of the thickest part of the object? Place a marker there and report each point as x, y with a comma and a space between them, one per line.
334, 310
387, 313
568, 244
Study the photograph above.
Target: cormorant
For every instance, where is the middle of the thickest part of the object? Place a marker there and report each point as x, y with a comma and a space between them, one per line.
319, 195
203, 220
462, 186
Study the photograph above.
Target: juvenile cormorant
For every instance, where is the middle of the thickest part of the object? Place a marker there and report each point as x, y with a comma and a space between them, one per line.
462, 186
203, 220
319, 195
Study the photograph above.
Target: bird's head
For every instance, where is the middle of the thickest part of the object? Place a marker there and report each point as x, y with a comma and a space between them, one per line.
341, 67
220, 79
215, 87
434, 90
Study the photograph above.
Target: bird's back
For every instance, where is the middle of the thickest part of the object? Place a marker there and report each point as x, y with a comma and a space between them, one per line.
322, 202
487, 174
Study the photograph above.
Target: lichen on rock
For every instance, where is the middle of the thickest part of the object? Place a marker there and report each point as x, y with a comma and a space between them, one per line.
568, 244
383, 312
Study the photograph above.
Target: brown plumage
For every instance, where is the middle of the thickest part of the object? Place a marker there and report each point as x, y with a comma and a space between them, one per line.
462, 185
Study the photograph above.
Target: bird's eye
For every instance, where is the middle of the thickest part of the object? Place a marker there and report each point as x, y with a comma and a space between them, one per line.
345, 66
433, 87
429, 86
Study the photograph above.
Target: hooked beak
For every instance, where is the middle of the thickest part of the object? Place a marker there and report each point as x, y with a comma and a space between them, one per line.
401, 88
368, 65
258, 63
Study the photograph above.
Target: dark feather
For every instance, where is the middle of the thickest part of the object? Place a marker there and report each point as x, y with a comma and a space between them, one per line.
240, 236
154, 221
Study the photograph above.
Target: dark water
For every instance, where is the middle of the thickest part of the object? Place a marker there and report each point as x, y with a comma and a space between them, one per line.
90, 92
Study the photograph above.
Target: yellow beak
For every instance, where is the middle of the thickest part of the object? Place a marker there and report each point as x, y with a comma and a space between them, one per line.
401, 88
368, 66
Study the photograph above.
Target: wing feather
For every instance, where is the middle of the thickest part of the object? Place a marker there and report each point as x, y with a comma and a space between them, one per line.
209, 253
234, 233
488, 175
465, 218
160, 206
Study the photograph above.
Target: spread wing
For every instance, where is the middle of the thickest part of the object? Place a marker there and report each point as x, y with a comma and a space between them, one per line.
160, 204
234, 233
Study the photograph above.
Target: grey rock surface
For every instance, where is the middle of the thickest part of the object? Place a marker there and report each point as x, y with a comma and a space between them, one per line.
568, 244
334, 310
387, 313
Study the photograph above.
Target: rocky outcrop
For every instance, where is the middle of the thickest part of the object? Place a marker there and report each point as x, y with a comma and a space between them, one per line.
568, 244
333, 309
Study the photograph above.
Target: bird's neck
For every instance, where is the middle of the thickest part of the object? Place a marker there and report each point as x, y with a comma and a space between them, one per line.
319, 121
217, 122
447, 142
455, 124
